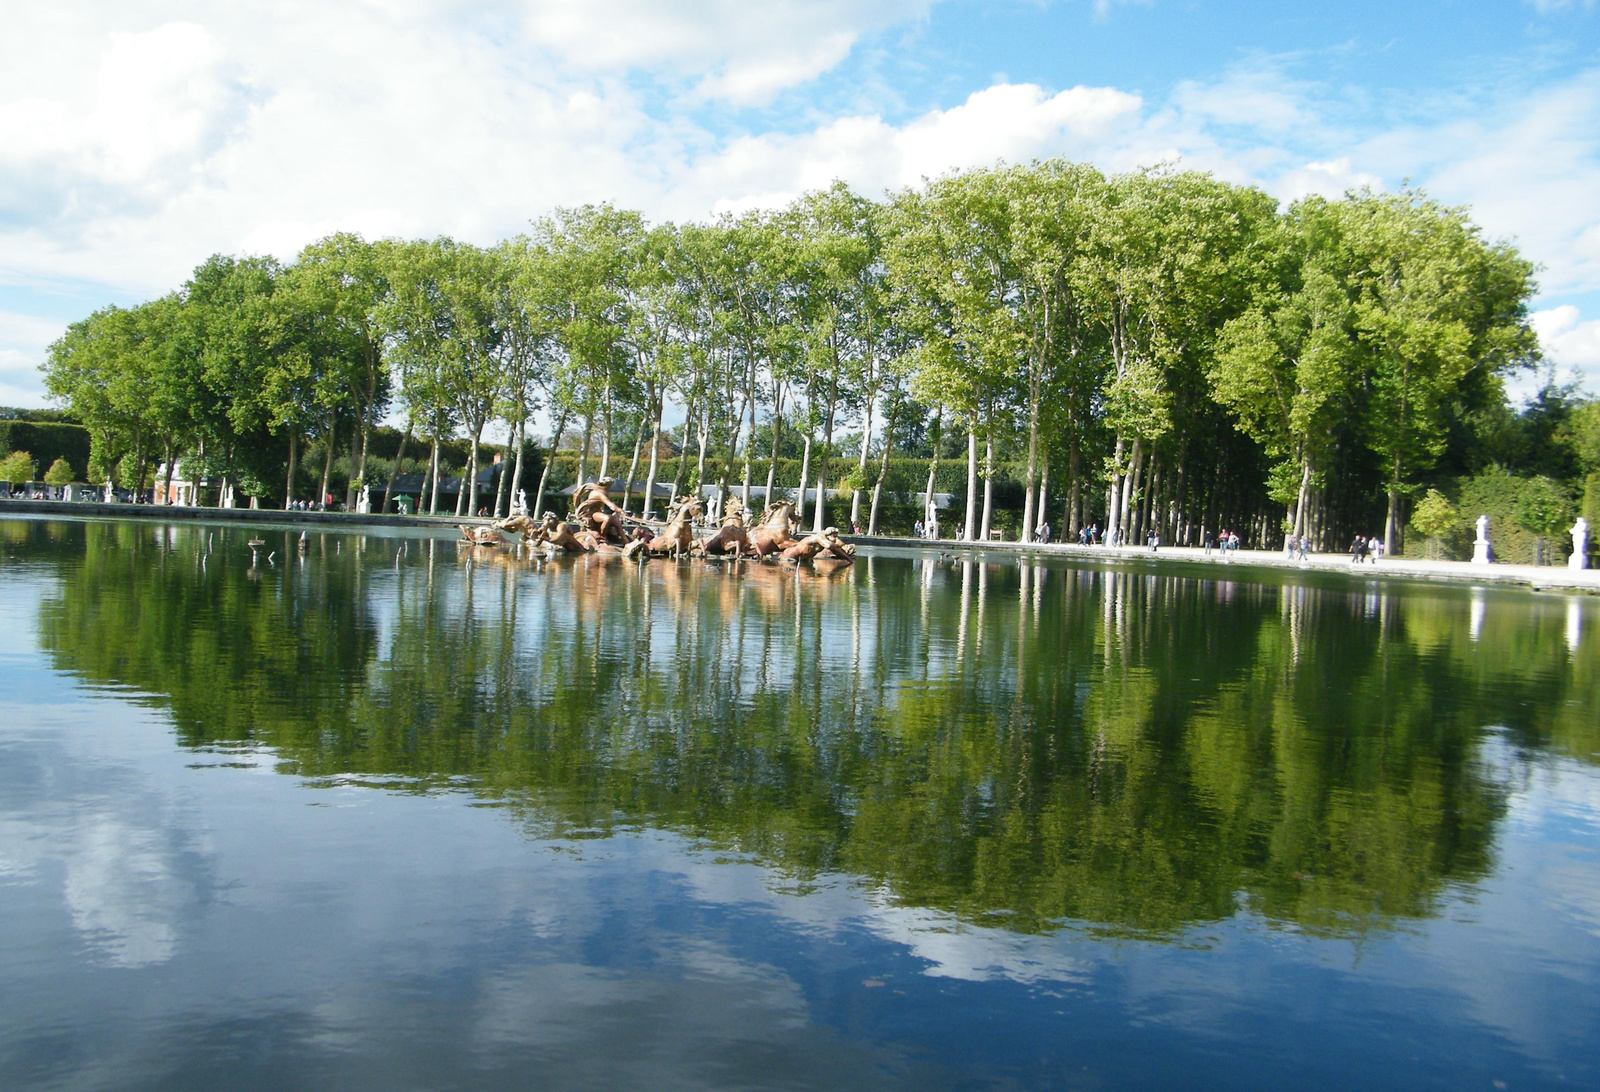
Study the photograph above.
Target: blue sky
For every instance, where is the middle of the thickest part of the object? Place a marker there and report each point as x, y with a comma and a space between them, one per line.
138, 137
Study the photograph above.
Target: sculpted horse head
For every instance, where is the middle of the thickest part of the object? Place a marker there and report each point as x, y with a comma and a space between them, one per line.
779, 516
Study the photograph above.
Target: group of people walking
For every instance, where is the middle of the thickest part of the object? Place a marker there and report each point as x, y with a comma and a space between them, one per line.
1366, 549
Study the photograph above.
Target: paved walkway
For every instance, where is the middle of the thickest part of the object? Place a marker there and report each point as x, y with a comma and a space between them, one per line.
1535, 576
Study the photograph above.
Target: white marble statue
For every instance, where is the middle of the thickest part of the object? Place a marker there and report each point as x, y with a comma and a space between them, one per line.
1480, 548
1580, 545
519, 507
364, 502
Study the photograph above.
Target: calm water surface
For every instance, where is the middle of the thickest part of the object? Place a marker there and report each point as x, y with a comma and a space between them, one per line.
390, 814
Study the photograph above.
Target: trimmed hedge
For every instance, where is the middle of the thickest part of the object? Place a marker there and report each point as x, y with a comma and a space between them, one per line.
48, 441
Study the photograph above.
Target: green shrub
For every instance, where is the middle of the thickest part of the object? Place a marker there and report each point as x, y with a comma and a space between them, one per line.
16, 467
1436, 519
60, 473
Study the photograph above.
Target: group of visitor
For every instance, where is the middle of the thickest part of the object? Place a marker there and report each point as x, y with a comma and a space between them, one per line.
1225, 541
1366, 549
1297, 546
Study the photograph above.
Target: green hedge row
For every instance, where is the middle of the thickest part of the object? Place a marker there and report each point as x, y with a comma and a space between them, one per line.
47, 442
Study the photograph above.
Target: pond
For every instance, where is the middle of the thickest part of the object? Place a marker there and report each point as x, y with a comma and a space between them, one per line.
382, 812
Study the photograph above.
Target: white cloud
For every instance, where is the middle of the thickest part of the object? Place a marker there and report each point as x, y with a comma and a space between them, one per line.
1328, 178
135, 140
1258, 97
734, 50
1528, 167
1570, 343
1014, 122
164, 100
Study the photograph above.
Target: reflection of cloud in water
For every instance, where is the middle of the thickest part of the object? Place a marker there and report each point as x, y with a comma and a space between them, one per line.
950, 947
121, 890
123, 855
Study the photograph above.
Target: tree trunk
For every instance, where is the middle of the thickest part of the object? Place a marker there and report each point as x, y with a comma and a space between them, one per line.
327, 462
471, 484
1074, 519
1029, 500
1391, 527
969, 529
583, 459
1113, 494
294, 464
399, 457
1042, 509
350, 482
166, 488
516, 473
500, 478
433, 473
750, 441
1304, 497
704, 428
883, 469
1130, 490
861, 463
655, 454
805, 482
633, 467
550, 460
361, 468
683, 456
821, 513
988, 486
777, 428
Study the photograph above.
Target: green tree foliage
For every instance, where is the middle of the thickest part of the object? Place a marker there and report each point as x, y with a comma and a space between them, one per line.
60, 473
16, 467
1435, 517
1158, 352
1544, 509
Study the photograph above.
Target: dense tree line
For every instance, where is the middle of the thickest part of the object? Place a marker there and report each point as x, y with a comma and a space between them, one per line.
1157, 351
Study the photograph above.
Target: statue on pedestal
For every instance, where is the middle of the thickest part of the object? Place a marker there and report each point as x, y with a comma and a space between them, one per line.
1480, 547
364, 502
1580, 545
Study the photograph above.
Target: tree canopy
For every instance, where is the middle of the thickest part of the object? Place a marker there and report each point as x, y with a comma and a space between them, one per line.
1155, 352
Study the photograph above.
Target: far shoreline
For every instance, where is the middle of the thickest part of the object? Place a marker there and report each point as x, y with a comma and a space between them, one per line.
1536, 577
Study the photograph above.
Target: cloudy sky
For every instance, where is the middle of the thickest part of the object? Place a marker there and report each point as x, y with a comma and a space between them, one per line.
138, 137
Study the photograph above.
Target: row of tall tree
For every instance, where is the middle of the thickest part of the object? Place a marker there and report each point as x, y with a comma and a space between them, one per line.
1156, 352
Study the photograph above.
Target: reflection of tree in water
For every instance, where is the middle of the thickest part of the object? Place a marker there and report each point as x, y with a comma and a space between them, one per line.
1020, 745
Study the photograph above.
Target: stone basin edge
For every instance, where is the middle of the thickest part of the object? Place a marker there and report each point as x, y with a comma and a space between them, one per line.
1537, 577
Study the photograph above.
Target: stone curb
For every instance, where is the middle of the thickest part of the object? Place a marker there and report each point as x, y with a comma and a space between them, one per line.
175, 514
1540, 578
